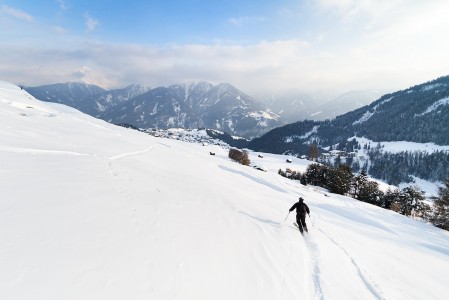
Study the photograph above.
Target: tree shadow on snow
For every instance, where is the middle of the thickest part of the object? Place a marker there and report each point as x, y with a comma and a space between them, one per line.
266, 221
258, 180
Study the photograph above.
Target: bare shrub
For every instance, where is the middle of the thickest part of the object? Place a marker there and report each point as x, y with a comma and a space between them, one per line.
239, 156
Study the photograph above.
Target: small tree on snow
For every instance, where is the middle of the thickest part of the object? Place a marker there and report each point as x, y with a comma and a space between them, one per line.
239, 156
313, 152
441, 208
358, 184
411, 201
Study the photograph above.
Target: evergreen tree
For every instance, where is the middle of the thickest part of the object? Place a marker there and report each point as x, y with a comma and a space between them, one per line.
390, 197
316, 174
303, 179
370, 193
357, 184
441, 208
411, 201
339, 179
365, 190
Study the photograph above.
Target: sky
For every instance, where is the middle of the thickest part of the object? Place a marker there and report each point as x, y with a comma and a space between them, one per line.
255, 45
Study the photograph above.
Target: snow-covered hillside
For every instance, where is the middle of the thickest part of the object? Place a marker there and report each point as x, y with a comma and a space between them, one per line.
89, 210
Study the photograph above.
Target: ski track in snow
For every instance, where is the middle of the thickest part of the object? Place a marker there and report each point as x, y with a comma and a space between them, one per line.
40, 151
310, 248
285, 269
314, 256
311, 261
123, 155
370, 285
122, 188
128, 154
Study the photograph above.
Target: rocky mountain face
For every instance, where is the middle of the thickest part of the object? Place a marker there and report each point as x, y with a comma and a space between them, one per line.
90, 99
196, 105
100, 103
191, 105
70, 93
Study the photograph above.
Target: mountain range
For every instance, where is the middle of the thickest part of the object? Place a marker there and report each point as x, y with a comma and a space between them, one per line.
419, 114
191, 105
296, 105
195, 105
88, 98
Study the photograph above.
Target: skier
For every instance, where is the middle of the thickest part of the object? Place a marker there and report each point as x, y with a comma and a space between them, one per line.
301, 210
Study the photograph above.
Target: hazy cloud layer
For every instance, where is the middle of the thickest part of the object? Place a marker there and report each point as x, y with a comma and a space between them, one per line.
16, 13
356, 45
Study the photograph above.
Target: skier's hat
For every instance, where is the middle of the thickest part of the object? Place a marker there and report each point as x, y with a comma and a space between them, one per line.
301, 199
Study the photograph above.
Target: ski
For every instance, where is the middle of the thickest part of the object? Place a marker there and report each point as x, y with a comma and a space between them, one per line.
297, 226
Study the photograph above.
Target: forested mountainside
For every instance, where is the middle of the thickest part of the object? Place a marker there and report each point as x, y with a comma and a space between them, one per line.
418, 114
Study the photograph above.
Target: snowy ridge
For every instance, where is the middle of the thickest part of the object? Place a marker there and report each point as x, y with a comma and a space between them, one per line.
431, 87
434, 106
139, 217
304, 136
368, 114
401, 146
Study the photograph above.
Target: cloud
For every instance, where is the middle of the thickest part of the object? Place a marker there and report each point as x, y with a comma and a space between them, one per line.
91, 23
359, 45
59, 29
16, 13
62, 5
253, 68
83, 73
239, 21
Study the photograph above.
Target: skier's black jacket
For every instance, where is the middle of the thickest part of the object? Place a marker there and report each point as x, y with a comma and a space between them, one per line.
301, 208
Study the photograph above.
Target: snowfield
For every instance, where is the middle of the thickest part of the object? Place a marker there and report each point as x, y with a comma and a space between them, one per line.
89, 210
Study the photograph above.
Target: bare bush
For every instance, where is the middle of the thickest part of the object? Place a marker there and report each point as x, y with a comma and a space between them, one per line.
239, 156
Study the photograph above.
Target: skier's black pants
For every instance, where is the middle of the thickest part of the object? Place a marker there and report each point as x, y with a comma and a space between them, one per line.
301, 220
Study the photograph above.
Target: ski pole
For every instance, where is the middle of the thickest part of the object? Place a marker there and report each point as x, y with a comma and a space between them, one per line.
311, 222
286, 217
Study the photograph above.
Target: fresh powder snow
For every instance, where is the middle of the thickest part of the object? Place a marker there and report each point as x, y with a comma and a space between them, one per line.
89, 210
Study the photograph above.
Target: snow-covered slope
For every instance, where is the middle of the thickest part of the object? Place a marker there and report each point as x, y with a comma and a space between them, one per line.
89, 210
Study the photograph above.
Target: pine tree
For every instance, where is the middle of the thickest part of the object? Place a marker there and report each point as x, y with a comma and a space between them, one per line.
370, 193
316, 174
441, 207
411, 201
357, 184
390, 197
365, 190
339, 179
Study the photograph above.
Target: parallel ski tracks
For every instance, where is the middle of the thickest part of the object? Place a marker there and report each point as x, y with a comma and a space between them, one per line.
313, 253
371, 286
